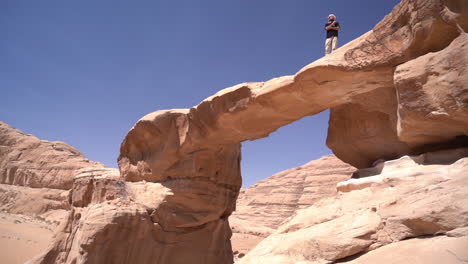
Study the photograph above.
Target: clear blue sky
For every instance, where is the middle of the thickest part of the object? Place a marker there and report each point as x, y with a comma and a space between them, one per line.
85, 71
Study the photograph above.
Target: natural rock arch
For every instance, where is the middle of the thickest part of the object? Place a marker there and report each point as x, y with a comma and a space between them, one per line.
199, 148
189, 159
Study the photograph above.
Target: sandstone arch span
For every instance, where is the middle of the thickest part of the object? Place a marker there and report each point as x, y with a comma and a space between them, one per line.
186, 162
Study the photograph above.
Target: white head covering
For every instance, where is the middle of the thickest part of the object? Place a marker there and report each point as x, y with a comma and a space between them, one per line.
332, 15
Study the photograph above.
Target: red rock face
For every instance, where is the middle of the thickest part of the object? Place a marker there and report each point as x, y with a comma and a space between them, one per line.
190, 158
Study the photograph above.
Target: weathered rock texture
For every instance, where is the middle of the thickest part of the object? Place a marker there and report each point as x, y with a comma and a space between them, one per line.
33, 201
433, 95
113, 221
427, 102
409, 197
194, 154
262, 208
436, 250
36, 175
366, 128
28, 161
35, 181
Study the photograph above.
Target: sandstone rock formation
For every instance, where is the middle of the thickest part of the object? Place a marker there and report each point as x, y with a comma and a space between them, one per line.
262, 208
410, 197
28, 161
433, 95
36, 175
427, 101
428, 110
112, 221
435, 250
35, 181
366, 128
191, 157
34, 201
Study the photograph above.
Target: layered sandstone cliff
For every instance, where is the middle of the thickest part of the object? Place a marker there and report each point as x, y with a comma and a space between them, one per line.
36, 175
35, 181
28, 161
189, 159
262, 208
423, 197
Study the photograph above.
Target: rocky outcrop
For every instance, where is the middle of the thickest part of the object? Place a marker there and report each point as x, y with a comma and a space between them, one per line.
275, 198
113, 221
193, 155
409, 197
433, 96
429, 250
366, 128
262, 208
34, 201
37, 175
28, 161
35, 181
426, 106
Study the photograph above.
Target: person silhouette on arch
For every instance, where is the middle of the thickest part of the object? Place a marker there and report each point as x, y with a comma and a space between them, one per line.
332, 27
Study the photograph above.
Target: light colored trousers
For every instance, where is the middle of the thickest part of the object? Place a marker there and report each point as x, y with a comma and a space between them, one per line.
331, 44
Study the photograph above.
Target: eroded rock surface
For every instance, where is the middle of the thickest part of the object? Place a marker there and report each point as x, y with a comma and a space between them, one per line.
36, 175
28, 161
433, 95
262, 208
192, 156
35, 181
406, 199
366, 128
44, 202
113, 221
426, 109
430, 250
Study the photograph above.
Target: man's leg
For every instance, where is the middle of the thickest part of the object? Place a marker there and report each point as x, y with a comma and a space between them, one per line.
328, 46
334, 43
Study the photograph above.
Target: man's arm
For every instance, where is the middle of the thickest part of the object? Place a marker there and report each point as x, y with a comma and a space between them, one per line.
332, 27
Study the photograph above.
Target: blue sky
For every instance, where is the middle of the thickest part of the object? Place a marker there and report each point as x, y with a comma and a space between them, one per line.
85, 71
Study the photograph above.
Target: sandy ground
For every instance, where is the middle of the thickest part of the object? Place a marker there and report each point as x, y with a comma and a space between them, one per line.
23, 237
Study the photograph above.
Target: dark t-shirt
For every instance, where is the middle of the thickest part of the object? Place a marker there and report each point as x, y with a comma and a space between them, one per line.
332, 33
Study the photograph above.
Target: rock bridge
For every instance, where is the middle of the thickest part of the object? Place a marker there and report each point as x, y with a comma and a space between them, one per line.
189, 159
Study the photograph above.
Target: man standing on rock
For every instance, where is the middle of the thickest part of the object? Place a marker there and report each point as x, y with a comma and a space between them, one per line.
332, 28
